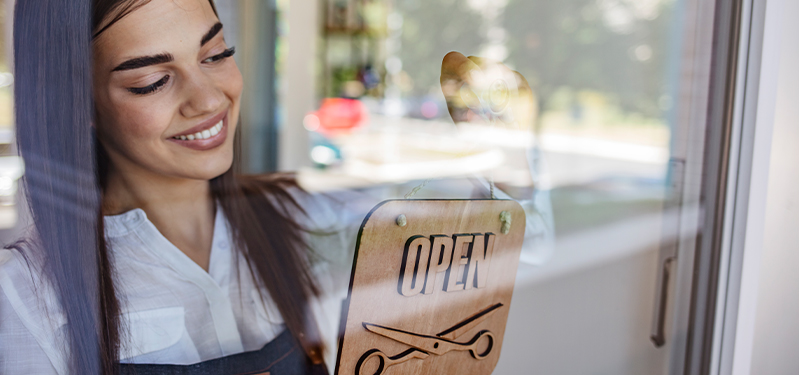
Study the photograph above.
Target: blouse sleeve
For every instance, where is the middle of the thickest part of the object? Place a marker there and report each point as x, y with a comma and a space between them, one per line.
333, 219
29, 336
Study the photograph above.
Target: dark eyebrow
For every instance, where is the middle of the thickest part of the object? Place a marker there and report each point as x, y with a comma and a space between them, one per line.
211, 33
141, 62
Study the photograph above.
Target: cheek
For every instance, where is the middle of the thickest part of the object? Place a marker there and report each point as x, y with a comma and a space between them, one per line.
131, 121
232, 83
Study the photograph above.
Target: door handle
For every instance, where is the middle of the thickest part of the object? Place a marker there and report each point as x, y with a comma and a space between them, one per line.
660, 311
668, 250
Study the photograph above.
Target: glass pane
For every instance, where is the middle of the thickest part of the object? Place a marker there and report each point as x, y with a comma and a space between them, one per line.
209, 205
595, 156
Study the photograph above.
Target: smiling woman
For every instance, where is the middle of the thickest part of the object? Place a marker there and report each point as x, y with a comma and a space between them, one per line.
149, 248
149, 90
150, 253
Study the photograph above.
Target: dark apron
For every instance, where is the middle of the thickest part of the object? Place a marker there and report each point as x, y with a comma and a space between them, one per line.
281, 356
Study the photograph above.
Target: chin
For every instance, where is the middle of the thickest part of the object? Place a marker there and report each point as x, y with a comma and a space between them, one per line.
215, 172
209, 170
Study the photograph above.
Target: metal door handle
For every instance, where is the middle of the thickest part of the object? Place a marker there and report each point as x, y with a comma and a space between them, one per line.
660, 311
668, 252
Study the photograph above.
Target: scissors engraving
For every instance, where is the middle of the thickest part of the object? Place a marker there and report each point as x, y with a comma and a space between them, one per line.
424, 345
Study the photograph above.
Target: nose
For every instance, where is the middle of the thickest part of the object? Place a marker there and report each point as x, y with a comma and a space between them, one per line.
202, 95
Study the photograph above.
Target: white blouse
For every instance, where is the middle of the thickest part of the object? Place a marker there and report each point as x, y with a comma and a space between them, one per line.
174, 312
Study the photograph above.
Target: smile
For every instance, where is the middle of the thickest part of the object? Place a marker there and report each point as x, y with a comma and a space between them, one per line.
205, 134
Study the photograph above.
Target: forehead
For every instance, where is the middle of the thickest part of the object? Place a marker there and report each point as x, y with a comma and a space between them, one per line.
159, 26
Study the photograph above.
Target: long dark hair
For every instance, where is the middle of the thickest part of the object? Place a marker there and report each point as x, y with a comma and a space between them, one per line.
66, 168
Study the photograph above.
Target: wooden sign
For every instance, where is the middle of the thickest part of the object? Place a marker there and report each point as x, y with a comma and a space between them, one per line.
431, 287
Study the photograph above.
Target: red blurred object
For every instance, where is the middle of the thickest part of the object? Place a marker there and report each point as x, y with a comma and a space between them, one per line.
340, 116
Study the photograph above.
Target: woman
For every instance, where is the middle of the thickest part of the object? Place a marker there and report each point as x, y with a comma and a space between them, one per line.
133, 188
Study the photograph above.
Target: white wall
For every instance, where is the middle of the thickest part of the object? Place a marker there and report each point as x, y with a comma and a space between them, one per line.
775, 342
298, 89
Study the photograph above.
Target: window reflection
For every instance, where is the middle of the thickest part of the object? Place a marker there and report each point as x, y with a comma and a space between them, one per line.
594, 156
571, 113
600, 71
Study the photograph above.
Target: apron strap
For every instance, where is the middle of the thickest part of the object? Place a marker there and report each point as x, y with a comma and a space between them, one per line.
283, 356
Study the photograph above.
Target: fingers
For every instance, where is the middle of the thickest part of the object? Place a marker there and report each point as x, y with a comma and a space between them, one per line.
525, 104
456, 78
457, 67
522, 83
482, 61
473, 70
476, 87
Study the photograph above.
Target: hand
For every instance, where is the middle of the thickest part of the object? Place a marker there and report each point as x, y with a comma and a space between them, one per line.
479, 90
487, 93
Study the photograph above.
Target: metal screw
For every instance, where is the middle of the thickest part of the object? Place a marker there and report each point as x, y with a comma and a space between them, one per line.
401, 220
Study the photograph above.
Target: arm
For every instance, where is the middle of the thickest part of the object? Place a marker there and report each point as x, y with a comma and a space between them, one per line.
334, 219
485, 99
488, 94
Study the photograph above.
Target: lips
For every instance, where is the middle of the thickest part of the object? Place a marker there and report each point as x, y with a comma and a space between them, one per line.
206, 135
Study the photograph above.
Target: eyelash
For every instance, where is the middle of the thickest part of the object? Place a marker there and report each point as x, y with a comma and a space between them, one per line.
163, 81
222, 56
151, 88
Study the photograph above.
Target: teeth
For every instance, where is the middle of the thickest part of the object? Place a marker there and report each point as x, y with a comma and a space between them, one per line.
205, 134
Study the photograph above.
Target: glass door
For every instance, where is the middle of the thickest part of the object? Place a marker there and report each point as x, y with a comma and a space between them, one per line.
624, 150
624, 157
627, 152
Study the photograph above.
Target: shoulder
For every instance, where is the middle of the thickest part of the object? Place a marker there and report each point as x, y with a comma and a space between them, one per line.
21, 261
29, 309
27, 292
20, 269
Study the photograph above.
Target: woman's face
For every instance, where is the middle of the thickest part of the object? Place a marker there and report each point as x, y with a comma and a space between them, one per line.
167, 91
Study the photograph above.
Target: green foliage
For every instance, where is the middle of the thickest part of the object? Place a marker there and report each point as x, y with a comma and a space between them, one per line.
618, 48
431, 29
576, 43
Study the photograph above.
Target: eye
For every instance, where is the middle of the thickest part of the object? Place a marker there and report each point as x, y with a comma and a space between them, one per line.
151, 88
222, 56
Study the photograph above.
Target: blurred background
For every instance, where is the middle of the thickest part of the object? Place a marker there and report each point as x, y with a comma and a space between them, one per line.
11, 166
356, 85
347, 93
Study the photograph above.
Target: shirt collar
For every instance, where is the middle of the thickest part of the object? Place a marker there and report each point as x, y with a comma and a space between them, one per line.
126, 222
118, 225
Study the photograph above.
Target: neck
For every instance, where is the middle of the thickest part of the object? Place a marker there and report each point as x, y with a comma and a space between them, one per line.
181, 209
